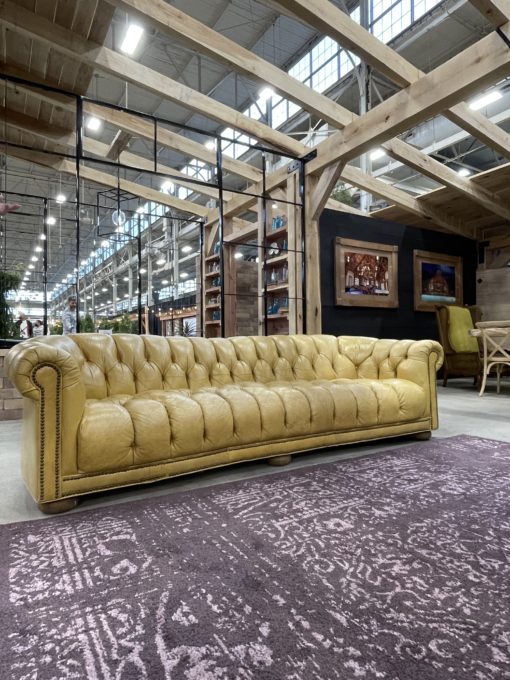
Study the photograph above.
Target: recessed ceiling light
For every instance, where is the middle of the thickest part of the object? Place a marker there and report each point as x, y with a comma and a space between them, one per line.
140, 210
38, 249
266, 93
104, 290
164, 282
184, 275
83, 262
34, 258
167, 186
50, 221
60, 198
186, 249
238, 255
105, 244
210, 145
485, 100
126, 278
274, 206
126, 295
131, 39
463, 172
43, 236
93, 124
142, 271
31, 266
376, 154
161, 261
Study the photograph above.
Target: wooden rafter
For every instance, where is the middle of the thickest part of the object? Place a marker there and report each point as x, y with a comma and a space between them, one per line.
496, 11
178, 25
479, 65
66, 138
398, 197
104, 59
167, 19
55, 161
135, 125
328, 19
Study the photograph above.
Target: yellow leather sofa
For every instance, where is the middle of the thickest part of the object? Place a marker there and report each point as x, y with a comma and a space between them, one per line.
102, 412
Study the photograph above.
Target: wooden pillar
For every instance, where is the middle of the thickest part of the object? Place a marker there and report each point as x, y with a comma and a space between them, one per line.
312, 249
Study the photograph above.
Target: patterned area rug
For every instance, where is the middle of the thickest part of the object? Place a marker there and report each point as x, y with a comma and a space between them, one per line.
393, 566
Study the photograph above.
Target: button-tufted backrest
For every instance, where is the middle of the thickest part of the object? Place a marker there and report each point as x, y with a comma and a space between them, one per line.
129, 364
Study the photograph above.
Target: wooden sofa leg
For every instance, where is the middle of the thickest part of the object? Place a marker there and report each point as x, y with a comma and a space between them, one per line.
423, 436
279, 460
56, 507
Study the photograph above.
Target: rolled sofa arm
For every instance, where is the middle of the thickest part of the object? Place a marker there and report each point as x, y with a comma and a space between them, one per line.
46, 372
415, 360
420, 365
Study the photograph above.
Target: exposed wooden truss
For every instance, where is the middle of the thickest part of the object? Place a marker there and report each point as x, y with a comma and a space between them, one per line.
66, 138
324, 16
424, 95
56, 162
328, 19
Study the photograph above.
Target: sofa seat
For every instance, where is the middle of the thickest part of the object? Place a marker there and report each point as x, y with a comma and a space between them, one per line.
123, 431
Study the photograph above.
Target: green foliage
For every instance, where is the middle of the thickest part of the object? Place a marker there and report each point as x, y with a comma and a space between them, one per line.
340, 193
87, 324
105, 325
57, 328
115, 326
8, 281
187, 329
125, 324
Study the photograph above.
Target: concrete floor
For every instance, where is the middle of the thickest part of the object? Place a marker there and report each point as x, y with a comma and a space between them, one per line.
461, 411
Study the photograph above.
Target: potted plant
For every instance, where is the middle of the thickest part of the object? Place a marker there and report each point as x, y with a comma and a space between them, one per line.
8, 330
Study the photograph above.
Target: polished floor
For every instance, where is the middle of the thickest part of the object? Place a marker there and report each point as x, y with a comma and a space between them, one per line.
461, 411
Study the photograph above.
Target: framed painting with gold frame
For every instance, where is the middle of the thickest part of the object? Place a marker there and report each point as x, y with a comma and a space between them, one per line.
437, 280
366, 274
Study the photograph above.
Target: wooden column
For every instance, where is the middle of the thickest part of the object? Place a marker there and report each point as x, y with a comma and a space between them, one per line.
312, 250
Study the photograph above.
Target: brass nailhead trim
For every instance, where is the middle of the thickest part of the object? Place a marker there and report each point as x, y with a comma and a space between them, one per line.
42, 433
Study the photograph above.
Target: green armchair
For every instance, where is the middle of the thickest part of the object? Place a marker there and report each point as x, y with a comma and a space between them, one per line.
461, 351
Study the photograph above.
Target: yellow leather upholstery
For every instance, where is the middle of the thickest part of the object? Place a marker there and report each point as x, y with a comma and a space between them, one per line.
104, 411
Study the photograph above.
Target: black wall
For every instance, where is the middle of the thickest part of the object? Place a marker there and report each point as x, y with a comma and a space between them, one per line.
402, 322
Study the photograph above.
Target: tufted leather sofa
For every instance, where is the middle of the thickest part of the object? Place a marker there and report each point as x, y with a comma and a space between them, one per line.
102, 412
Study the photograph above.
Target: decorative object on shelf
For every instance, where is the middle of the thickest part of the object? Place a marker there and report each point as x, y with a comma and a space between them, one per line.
366, 274
437, 280
216, 315
274, 307
274, 249
216, 282
278, 222
216, 249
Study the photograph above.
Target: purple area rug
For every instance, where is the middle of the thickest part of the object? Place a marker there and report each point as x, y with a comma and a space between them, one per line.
392, 566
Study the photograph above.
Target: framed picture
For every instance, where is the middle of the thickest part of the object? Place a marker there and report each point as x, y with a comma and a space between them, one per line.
437, 280
366, 274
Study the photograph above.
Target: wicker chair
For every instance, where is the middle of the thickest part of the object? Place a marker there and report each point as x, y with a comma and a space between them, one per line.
459, 364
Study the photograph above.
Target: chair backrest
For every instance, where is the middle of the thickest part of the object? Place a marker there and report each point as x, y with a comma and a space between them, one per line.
453, 323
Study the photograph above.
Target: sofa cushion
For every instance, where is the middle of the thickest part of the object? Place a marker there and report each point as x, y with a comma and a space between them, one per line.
132, 430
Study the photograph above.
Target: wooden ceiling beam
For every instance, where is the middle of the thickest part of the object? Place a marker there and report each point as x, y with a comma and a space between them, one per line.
328, 19
389, 193
479, 65
54, 160
495, 11
185, 29
439, 172
136, 125
67, 138
118, 65
171, 21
